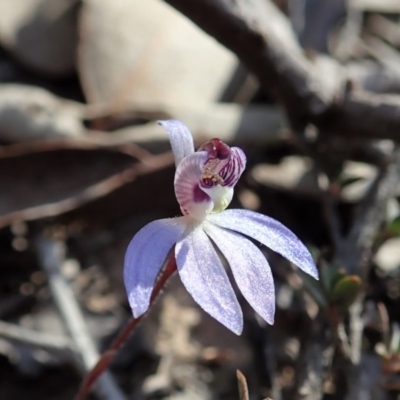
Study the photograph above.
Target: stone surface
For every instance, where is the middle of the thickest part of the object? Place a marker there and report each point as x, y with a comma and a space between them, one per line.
146, 50
388, 255
41, 34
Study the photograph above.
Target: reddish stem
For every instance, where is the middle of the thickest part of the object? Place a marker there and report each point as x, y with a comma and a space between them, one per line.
107, 357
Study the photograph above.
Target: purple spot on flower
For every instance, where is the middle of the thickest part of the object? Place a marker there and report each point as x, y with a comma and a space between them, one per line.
199, 196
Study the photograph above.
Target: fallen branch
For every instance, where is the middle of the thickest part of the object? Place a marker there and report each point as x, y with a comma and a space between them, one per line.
313, 90
35, 339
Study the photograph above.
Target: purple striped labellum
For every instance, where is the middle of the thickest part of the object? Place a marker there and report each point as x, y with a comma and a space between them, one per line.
204, 180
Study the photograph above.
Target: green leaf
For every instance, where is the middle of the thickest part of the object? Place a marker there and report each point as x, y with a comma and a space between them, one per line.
393, 227
345, 291
314, 288
330, 275
343, 182
337, 275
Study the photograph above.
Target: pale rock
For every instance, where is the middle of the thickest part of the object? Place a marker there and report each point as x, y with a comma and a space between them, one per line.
144, 50
41, 34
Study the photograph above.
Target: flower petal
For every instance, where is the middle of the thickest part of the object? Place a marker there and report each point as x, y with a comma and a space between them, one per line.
234, 169
144, 258
193, 201
204, 277
269, 232
221, 173
250, 269
180, 138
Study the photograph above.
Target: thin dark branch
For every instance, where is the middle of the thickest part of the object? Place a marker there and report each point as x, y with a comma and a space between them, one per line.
262, 37
90, 193
370, 216
356, 256
312, 89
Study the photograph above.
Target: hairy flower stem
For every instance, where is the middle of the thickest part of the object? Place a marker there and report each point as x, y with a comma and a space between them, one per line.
121, 339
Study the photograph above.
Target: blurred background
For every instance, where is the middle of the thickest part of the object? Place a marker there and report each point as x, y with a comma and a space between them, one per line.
310, 89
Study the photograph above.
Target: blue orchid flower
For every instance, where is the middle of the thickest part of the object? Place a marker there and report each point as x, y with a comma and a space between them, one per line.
204, 183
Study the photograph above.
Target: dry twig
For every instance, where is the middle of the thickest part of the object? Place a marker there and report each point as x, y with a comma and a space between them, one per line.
36, 339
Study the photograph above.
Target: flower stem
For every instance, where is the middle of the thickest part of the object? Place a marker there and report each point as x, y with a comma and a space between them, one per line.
107, 357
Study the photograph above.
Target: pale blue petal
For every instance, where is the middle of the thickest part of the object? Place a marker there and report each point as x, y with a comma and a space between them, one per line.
144, 258
250, 269
180, 138
269, 232
204, 277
